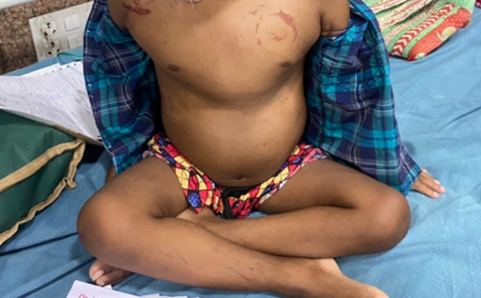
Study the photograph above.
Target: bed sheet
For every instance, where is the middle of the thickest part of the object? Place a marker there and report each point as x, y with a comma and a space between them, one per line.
439, 110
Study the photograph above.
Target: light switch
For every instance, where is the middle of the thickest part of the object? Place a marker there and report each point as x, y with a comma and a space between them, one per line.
72, 22
75, 41
62, 27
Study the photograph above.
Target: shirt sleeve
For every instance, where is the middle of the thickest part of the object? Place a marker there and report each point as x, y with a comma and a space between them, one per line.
121, 85
351, 104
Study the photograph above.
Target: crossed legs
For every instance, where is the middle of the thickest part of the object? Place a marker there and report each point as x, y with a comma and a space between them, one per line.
325, 211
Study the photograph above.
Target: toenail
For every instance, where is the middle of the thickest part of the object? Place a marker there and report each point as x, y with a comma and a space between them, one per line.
97, 275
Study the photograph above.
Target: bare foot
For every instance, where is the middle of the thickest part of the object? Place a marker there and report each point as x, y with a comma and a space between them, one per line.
317, 278
428, 186
103, 274
326, 280
323, 279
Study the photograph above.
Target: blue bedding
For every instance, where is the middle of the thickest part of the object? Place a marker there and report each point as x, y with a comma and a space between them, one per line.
439, 110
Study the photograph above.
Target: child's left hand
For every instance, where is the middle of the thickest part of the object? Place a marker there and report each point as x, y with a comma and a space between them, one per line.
428, 186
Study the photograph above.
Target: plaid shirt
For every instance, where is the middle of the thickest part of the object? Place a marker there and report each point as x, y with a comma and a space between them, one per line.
347, 82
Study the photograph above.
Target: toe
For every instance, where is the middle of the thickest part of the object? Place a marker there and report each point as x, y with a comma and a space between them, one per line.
103, 274
98, 274
113, 278
98, 269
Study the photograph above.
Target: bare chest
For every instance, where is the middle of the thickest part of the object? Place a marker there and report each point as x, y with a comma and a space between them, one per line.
224, 41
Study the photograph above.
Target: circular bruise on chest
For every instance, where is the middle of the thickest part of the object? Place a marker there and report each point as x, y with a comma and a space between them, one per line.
275, 30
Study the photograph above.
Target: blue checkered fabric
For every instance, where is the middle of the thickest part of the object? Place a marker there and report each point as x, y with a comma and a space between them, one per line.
348, 91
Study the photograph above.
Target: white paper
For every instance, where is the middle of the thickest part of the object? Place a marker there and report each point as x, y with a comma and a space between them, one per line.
56, 94
85, 290
159, 296
42, 71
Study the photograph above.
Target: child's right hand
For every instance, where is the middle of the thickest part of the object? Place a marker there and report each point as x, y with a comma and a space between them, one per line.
428, 186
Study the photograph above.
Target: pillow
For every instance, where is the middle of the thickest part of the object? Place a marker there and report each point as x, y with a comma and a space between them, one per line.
37, 162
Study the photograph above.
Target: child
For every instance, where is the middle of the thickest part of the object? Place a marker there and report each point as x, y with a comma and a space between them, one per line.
283, 107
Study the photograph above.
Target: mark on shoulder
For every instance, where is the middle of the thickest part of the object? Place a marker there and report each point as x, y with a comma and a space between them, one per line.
137, 6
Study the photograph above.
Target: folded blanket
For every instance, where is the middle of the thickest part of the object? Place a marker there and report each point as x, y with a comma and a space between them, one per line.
414, 28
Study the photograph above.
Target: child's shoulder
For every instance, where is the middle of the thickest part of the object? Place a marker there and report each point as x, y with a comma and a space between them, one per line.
118, 12
335, 16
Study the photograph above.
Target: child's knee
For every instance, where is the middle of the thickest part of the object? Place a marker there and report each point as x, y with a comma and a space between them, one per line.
99, 224
388, 222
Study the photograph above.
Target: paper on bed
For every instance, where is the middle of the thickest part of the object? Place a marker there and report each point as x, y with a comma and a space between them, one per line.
85, 290
55, 96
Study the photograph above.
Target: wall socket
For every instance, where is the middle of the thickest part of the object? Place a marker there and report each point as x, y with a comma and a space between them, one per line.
59, 31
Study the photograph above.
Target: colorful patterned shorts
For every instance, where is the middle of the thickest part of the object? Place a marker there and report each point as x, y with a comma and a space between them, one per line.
231, 203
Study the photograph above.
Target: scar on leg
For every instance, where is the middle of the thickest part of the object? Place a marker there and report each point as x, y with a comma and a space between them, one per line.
240, 274
182, 258
137, 9
261, 272
165, 254
218, 251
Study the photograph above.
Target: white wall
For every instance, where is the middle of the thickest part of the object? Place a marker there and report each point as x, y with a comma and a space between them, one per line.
9, 3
